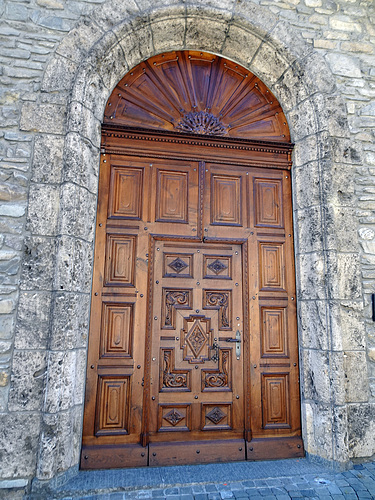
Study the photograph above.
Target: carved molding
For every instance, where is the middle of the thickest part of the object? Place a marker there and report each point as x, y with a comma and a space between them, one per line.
174, 299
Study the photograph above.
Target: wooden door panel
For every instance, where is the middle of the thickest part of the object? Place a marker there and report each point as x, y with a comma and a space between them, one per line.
196, 380
190, 257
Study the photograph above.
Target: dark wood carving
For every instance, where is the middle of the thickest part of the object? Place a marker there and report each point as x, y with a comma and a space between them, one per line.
170, 377
214, 380
221, 300
172, 300
195, 92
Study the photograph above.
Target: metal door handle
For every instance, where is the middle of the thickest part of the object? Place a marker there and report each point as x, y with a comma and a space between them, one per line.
238, 343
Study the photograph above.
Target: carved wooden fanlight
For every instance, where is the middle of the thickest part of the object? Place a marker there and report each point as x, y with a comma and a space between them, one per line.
199, 93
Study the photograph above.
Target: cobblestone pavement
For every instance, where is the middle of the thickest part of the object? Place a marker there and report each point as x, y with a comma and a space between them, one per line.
280, 480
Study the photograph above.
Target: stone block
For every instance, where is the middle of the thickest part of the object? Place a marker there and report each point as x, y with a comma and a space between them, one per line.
19, 450
347, 325
344, 276
74, 265
318, 426
346, 151
59, 74
317, 74
268, 64
110, 14
78, 210
84, 122
47, 162
38, 263
339, 184
311, 273
7, 306
13, 209
309, 227
48, 118
343, 65
303, 121
60, 440
307, 185
340, 225
136, 47
114, 66
32, 328
290, 89
361, 430
89, 90
60, 381
168, 32
289, 42
6, 326
313, 324
43, 210
81, 162
78, 43
240, 45
356, 376
205, 34
315, 373
219, 12
80, 377
27, 380
340, 435
254, 18
70, 320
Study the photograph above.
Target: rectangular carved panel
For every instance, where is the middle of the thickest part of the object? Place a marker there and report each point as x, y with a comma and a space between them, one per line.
126, 193
172, 299
222, 301
171, 379
117, 331
274, 337
174, 417
226, 200
268, 202
216, 416
172, 197
272, 267
112, 408
275, 400
220, 379
120, 260
217, 267
178, 265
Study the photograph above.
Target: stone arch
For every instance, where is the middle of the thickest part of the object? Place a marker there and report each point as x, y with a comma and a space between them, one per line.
85, 68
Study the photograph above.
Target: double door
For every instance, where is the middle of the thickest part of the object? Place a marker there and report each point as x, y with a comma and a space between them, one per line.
193, 347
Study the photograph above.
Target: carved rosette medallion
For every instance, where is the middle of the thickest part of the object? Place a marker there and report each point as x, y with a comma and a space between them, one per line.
216, 415
173, 417
201, 122
217, 266
178, 265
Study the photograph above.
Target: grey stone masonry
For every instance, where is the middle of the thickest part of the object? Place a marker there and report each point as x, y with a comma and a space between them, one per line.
59, 62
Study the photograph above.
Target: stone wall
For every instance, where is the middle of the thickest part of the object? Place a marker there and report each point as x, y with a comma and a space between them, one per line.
60, 61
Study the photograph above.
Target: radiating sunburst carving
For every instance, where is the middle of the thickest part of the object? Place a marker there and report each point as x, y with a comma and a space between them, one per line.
199, 93
201, 123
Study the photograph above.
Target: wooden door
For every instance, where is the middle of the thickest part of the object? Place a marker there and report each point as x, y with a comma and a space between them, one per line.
193, 346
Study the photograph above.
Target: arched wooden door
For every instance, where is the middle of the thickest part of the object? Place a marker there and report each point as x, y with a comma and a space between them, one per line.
193, 345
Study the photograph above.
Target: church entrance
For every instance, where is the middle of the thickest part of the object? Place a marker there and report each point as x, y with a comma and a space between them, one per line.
193, 352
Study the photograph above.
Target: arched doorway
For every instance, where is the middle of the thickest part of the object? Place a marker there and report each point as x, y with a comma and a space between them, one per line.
193, 345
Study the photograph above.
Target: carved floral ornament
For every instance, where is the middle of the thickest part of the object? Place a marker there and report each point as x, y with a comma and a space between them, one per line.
197, 93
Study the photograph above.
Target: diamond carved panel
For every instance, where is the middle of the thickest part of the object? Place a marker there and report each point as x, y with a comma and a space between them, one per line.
196, 339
